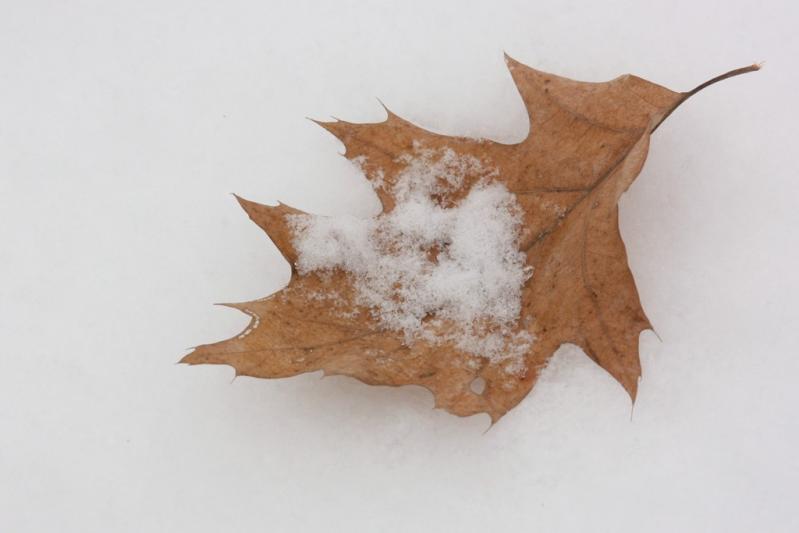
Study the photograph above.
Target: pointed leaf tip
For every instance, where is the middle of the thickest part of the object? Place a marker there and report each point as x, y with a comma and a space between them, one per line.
272, 219
390, 115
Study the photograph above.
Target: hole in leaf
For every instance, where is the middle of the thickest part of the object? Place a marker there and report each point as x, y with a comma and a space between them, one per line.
478, 385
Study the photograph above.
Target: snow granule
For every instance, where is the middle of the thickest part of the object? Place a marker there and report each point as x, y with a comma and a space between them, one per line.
425, 264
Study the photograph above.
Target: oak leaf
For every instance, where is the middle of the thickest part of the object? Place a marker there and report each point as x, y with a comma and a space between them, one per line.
587, 143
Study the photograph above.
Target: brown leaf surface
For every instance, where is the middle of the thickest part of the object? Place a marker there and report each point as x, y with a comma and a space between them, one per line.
587, 143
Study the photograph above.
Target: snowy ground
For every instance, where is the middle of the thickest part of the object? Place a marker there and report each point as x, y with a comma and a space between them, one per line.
124, 126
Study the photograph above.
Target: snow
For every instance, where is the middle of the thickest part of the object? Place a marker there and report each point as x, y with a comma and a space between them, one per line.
424, 262
125, 127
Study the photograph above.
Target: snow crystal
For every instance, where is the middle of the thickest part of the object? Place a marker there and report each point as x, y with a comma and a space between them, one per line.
430, 262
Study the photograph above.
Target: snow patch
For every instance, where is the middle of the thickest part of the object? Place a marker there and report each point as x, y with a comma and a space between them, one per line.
432, 262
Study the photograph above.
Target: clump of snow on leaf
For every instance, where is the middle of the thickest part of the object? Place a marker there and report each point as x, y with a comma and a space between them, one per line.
425, 264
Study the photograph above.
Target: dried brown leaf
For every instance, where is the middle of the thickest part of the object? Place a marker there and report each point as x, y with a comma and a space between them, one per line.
587, 143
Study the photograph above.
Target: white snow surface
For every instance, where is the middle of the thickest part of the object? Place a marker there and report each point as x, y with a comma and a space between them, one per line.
124, 128
475, 280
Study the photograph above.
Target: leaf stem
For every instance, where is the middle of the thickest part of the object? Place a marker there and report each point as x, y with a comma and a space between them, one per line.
685, 96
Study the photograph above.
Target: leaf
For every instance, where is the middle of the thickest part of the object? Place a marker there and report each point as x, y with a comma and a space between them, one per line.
587, 143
